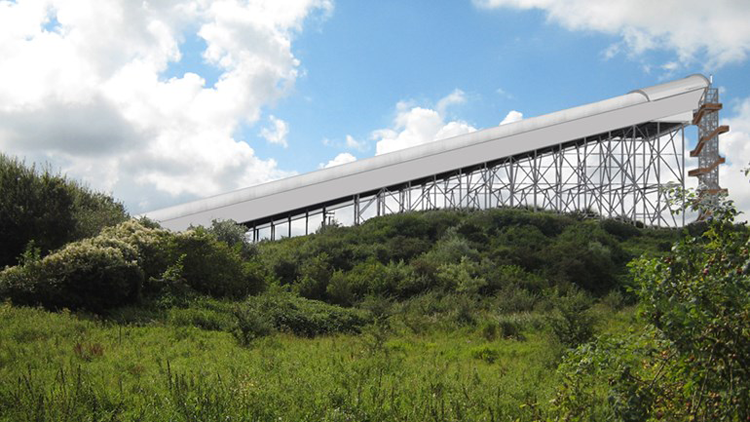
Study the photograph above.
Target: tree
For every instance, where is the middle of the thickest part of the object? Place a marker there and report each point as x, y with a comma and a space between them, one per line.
693, 360
47, 209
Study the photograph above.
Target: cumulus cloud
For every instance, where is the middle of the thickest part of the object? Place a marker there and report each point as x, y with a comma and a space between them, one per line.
82, 86
735, 145
342, 158
693, 29
512, 116
417, 125
276, 134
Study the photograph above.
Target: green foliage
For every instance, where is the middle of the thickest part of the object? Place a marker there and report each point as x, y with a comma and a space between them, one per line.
622, 230
698, 297
233, 234
485, 353
97, 274
571, 321
339, 290
62, 367
150, 243
510, 327
587, 256
286, 311
692, 361
615, 378
478, 252
123, 262
201, 317
94, 274
214, 268
47, 209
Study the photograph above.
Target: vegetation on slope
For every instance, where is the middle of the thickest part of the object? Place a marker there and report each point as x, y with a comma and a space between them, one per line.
440, 315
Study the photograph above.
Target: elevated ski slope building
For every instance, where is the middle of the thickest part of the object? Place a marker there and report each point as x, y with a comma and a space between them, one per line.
611, 158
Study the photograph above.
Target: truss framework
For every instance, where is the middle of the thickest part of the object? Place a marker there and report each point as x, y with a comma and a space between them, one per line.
617, 174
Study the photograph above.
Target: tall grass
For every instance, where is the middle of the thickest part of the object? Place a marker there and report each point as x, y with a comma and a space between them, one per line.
64, 367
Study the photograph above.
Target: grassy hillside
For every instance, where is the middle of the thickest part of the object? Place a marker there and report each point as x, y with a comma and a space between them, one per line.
442, 315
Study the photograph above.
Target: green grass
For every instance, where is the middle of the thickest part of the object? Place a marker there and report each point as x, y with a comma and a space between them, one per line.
66, 367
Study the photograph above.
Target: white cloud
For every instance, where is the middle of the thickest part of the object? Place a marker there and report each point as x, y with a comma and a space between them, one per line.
693, 29
89, 95
417, 125
512, 116
455, 97
355, 144
735, 146
342, 158
276, 134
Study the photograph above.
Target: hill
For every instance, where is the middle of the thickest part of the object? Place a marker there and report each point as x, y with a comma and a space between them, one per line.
501, 314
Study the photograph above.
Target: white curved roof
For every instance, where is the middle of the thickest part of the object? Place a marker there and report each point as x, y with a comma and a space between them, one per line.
673, 101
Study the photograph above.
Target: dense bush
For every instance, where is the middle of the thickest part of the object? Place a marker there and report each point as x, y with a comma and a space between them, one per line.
234, 235
48, 210
478, 252
116, 266
692, 362
588, 256
214, 268
570, 320
93, 274
286, 311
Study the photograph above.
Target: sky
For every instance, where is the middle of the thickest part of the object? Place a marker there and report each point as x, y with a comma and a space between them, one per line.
160, 102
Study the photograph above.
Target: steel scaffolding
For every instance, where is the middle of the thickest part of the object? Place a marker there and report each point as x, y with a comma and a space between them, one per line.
617, 174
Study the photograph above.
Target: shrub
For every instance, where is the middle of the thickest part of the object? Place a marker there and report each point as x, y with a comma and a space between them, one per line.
514, 299
94, 274
691, 361
510, 328
315, 274
214, 268
505, 277
621, 229
461, 277
150, 243
304, 317
519, 245
587, 256
251, 324
339, 290
485, 353
234, 235
571, 321
490, 330
614, 300
379, 307
370, 277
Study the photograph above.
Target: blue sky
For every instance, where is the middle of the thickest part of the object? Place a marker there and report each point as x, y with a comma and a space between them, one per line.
163, 102
368, 56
